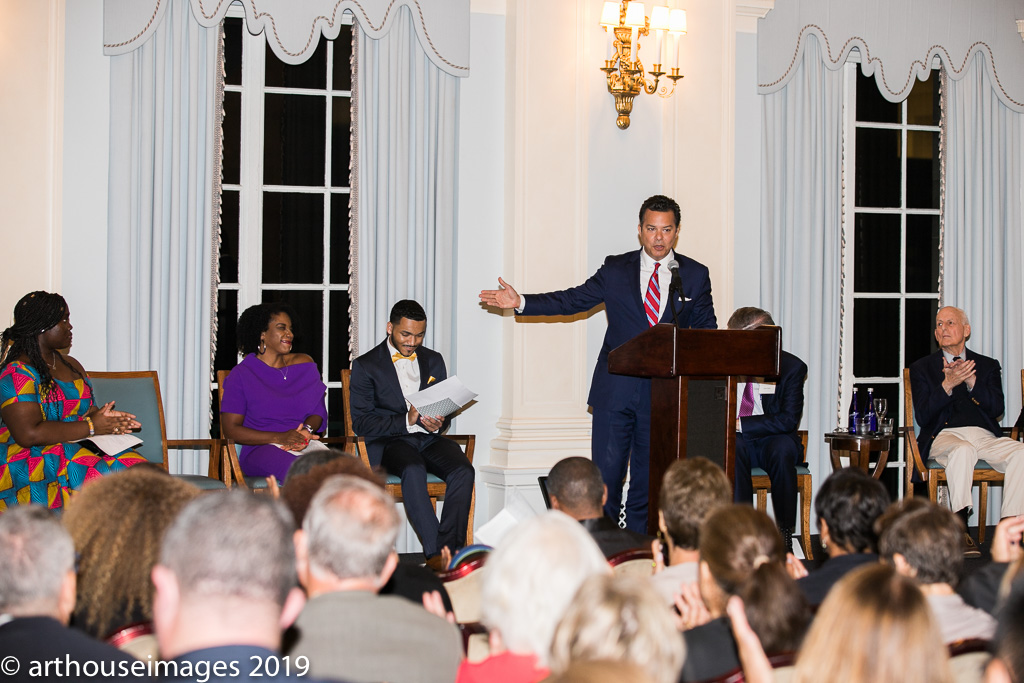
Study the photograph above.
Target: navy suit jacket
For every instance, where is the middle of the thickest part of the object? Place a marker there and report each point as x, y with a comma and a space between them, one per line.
616, 284
933, 408
782, 410
378, 405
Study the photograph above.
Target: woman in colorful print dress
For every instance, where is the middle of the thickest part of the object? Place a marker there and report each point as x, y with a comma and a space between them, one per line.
46, 405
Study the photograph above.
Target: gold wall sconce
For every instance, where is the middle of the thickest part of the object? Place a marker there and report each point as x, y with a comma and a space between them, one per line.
625, 22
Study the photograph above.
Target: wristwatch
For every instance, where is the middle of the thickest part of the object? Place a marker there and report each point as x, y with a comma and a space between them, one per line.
309, 429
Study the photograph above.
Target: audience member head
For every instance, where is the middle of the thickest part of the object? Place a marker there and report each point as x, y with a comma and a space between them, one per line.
1007, 664
576, 488
660, 203
531, 578
348, 537
848, 504
691, 490
116, 557
255, 320
749, 318
923, 541
35, 314
875, 626
37, 565
226, 575
602, 671
619, 618
307, 461
301, 487
741, 553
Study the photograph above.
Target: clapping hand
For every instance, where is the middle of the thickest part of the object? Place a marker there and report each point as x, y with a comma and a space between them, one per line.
505, 297
956, 373
106, 420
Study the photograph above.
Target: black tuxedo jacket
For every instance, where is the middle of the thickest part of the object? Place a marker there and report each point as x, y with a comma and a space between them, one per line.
933, 408
378, 405
782, 409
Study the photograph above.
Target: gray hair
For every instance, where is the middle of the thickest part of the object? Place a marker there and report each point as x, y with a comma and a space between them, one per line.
350, 527
37, 554
531, 579
232, 544
964, 320
748, 318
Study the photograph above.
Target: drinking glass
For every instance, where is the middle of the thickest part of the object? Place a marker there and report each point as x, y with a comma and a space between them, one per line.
881, 407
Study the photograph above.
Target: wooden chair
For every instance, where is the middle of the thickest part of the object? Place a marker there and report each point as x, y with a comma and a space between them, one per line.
232, 471
436, 487
1018, 428
464, 584
932, 472
763, 486
139, 393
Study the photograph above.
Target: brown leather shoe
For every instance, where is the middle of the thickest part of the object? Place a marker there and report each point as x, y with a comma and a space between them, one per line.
970, 549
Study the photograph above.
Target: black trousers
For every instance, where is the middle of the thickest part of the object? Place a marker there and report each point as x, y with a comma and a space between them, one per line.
777, 455
411, 457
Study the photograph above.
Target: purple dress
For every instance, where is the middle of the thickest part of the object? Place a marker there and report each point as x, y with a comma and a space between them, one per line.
272, 400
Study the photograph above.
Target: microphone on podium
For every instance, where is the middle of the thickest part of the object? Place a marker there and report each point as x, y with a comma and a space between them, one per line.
676, 286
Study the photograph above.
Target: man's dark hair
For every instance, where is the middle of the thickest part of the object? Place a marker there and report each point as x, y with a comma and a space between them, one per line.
691, 490
407, 308
576, 483
255, 320
749, 317
660, 202
930, 539
850, 501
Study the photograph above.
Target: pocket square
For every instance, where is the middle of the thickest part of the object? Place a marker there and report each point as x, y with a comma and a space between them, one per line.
688, 299
432, 378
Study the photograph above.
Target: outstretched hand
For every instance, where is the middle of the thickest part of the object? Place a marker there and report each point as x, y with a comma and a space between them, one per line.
956, 373
505, 297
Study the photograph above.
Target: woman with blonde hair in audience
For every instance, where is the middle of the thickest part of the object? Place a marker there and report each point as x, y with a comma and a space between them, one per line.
530, 580
621, 618
602, 671
117, 524
741, 554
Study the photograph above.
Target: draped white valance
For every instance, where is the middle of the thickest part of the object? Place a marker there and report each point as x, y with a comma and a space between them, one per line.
293, 27
897, 40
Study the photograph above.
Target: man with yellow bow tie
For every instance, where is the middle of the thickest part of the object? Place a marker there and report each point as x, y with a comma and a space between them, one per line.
407, 444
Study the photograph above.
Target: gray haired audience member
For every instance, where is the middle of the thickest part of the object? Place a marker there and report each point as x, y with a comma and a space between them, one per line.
925, 543
345, 555
225, 589
575, 487
37, 596
691, 490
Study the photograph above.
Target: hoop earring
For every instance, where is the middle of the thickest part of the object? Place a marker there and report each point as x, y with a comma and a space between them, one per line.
262, 348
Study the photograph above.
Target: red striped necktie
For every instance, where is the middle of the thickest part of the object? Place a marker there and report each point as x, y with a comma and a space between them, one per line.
652, 301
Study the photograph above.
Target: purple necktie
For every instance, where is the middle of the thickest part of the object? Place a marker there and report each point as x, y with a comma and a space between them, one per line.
747, 402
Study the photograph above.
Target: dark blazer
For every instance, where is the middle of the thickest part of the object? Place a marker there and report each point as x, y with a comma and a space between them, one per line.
933, 408
378, 405
782, 410
616, 284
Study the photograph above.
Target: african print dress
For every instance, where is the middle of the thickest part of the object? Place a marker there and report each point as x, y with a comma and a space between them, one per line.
46, 475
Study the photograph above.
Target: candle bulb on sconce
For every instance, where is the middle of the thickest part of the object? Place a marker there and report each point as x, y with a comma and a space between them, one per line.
626, 24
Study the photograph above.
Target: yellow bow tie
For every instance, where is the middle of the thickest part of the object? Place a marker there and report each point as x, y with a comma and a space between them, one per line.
395, 357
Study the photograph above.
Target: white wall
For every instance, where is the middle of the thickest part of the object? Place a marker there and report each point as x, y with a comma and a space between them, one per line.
747, 202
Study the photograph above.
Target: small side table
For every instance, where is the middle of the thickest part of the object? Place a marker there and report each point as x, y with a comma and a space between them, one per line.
860, 447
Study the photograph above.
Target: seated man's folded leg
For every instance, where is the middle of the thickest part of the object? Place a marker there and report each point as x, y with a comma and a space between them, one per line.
1007, 456
778, 457
445, 459
403, 459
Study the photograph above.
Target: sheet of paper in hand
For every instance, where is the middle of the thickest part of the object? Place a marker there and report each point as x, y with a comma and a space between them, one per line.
442, 399
112, 444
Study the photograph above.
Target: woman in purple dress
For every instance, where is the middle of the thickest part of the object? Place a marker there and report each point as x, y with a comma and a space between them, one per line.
274, 399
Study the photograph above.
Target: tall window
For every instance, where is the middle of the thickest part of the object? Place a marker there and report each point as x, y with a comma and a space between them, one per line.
892, 234
285, 223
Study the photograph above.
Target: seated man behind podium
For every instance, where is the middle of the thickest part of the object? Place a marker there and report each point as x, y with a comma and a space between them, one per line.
575, 488
345, 556
406, 443
769, 415
958, 399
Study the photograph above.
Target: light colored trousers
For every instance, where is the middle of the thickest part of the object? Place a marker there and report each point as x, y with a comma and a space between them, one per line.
959, 448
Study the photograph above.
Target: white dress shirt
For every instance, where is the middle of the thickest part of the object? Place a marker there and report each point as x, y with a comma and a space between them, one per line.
664, 277
408, 372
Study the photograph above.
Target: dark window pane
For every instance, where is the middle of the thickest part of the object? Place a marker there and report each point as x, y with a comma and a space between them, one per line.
228, 263
922, 253
231, 154
922, 169
923, 102
878, 168
871, 106
294, 133
335, 410
293, 237
876, 253
919, 339
339, 239
233, 51
343, 59
338, 353
310, 74
227, 322
876, 337
309, 326
341, 122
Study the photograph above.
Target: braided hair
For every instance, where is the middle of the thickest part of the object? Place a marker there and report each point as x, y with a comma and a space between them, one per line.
34, 314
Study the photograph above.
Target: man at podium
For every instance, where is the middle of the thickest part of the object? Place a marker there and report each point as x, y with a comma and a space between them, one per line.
639, 289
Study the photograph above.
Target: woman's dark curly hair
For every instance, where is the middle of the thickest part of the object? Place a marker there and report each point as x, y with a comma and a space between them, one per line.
34, 314
255, 320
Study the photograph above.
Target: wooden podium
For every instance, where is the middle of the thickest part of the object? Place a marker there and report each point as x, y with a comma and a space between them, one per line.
694, 374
